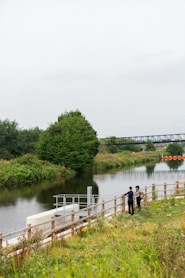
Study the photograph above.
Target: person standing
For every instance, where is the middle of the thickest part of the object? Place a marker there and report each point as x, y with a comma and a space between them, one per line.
130, 195
138, 194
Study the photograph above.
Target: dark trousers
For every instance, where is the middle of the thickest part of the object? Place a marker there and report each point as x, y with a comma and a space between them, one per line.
130, 206
138, 201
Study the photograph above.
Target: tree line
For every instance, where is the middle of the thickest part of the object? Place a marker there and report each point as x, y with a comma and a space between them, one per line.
71, 141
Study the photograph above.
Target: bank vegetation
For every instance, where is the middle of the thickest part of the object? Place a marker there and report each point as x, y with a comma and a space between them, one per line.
149, 245
125, 159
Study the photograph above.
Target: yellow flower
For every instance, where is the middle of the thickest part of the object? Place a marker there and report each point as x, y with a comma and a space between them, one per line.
84, 230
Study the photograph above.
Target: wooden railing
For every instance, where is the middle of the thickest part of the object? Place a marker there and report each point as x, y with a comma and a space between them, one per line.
113, 206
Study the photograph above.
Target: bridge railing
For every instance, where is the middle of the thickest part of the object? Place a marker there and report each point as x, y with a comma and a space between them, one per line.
156, 139
18, 241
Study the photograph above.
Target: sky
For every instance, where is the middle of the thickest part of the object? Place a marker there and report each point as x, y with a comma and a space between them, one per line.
121, 63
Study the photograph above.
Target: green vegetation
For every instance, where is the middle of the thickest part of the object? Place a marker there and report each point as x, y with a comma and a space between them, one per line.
114, 145
16, 142
175, 149
149, 146
71, 141
107, 161
148, 245
28, 170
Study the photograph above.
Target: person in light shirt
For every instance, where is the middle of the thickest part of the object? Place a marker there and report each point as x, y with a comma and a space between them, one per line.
138, 195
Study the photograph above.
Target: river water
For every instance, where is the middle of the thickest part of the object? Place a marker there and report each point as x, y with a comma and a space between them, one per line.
16, 206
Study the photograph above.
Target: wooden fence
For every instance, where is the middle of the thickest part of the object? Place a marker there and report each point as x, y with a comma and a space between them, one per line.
113, 206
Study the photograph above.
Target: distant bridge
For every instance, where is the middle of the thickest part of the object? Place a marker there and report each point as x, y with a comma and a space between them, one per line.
156, 139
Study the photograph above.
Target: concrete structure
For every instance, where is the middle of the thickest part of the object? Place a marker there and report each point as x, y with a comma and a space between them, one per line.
61, 216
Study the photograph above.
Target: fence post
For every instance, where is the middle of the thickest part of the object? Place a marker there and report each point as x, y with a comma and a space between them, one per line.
122, 203
52, 227
89, 215
177, 187
29, 231
115, 205
165, 190
145, 197
72, 222
153, 192
184, 189
1, 240
102, 209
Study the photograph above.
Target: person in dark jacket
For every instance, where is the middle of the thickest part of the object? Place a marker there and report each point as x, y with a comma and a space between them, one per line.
130, 195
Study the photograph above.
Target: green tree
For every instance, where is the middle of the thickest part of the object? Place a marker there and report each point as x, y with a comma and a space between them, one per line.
116, 145
27, 140
71, 141
8, 138
15, 141
175, 149
149, 146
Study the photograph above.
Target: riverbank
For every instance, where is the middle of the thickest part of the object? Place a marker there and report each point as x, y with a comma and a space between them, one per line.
107, 161
28, 170
150, 244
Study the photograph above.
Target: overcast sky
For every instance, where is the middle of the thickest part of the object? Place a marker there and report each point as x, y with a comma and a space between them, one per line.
120, 62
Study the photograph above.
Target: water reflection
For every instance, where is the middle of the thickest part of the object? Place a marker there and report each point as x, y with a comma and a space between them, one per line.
15, 206
118, 183
77, 185
174, 164
150, 169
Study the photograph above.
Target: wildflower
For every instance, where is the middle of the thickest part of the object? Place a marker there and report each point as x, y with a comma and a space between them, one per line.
84, 230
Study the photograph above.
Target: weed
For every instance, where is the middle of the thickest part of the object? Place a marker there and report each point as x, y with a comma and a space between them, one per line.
149, 245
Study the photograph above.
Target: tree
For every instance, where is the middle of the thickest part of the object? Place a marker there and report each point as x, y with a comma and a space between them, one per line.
116, 145
8, 138
149, 146
15, 141
27, 140
175, 149
71, 141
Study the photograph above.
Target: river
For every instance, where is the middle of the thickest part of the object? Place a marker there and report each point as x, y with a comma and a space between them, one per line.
16, 206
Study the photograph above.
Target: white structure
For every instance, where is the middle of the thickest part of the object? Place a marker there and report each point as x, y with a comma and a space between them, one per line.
41, 219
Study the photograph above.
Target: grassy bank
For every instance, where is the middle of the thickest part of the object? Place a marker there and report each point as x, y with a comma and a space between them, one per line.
148, 245
28, 170
107, 161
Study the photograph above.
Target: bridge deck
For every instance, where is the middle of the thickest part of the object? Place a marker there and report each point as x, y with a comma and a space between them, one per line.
156, 139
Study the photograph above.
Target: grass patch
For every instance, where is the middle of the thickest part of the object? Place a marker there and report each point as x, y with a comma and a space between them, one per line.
124, 159
150, 244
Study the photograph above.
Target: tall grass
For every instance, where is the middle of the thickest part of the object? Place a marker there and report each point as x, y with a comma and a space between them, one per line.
107, 161
150, 244
28, 170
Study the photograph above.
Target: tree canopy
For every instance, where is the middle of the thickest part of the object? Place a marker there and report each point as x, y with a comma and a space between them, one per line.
71, 141
175, 149
15, 141
150, 146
